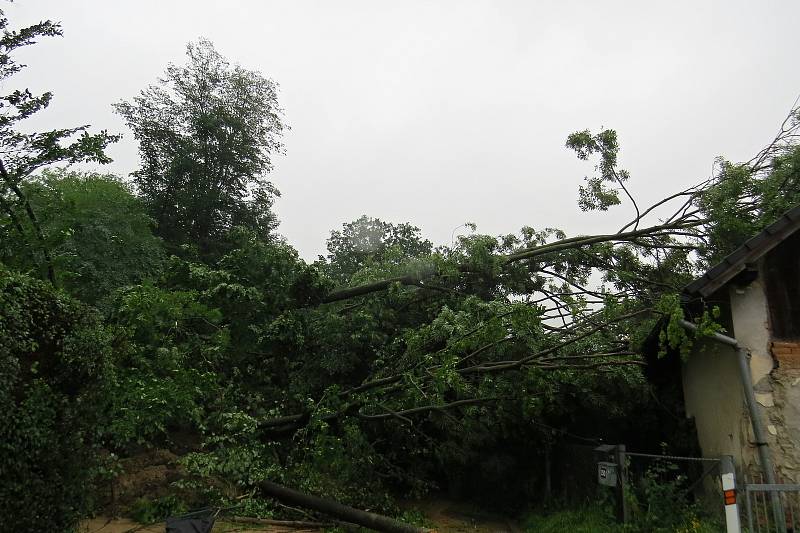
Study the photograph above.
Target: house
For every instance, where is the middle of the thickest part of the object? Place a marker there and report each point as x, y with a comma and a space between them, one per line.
757, 289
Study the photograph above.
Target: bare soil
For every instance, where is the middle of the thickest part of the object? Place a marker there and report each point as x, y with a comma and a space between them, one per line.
150, 474
444, 515
454, 517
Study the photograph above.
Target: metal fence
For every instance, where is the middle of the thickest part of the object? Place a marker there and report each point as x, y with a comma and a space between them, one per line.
667, 482
690, 479
657, 484
760, 506
772, 507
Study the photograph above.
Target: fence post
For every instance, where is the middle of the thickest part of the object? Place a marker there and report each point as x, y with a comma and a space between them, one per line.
727, 473
622, 479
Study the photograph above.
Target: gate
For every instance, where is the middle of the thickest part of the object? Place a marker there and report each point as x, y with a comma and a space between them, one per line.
772, 507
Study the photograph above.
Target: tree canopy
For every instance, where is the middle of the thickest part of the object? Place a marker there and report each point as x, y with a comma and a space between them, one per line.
206, 131
98, 233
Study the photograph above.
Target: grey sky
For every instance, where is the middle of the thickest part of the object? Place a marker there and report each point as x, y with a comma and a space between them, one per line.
439, 113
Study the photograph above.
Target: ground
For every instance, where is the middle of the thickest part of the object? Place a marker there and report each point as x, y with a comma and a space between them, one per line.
453, 517
444, 516
151, 473
123, 525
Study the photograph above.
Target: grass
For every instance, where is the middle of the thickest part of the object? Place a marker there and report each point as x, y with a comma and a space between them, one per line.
593, 519
597, 519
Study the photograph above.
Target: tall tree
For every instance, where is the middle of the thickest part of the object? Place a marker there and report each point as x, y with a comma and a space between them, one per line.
22, 153
206, 133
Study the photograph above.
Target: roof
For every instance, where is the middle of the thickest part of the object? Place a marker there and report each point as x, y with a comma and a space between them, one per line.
747, 254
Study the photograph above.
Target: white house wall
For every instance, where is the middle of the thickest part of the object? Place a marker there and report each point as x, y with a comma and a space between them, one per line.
713, 397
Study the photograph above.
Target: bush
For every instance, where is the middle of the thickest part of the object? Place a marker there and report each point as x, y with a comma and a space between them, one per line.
53, 355
147, 511
599, 519
659, 503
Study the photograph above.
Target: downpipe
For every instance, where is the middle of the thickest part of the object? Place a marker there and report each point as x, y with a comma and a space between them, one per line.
755, 418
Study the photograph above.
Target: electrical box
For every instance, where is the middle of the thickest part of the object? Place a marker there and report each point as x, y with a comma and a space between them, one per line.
607, 473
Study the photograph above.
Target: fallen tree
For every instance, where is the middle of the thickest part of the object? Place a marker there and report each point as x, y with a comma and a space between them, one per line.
296, 524
337, 510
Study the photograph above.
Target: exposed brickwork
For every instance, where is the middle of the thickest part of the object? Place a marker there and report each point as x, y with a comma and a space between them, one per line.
787, 353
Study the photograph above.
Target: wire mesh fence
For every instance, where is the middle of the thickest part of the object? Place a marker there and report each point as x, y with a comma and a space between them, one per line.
667, 487
672, 491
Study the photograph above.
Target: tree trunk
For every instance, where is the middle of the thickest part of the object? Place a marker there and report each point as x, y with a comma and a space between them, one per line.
297, 524
361, 290
548, 471
337, 510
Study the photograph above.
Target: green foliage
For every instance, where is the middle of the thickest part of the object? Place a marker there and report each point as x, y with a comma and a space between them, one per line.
169, 349
97, 232
234, 454
23, 151
597, 195
340, 464
54, 360
742, 201
415, 518
600, 519
26, 152
583, 520
206, 132
659, 504
659, 500
674, 336
147, 511
368, 243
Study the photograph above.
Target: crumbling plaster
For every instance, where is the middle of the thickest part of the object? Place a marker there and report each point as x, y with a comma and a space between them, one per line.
777, 390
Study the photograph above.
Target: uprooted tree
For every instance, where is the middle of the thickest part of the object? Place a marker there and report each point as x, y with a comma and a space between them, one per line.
426, 359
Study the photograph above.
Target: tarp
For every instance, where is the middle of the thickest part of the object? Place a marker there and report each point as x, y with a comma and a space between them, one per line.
189, 525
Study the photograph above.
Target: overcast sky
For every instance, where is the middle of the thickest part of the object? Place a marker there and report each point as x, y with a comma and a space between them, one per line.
440, 113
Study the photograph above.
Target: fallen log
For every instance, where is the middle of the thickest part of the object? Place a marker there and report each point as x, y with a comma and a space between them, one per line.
361, 290
337, 510
297, 524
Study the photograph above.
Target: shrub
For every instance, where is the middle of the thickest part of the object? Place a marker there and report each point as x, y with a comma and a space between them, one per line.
53, 355
147, 511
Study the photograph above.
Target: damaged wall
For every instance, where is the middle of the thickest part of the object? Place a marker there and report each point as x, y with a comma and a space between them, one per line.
713, 393
785, 415
776, 381
751, 329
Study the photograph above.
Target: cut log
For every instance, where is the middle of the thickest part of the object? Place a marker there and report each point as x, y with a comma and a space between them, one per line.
337, 510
